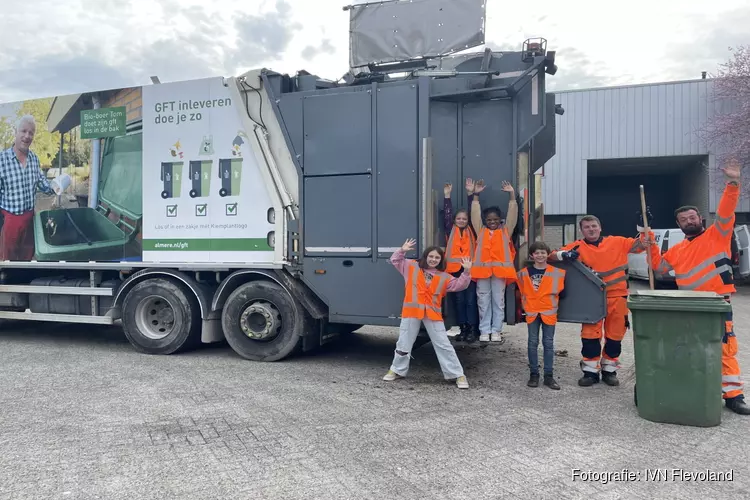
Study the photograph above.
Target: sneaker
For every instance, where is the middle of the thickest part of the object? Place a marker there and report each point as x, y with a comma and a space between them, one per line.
454, 331
391, 375
497, 337
485, 337
461, 382
550, 382
533, 380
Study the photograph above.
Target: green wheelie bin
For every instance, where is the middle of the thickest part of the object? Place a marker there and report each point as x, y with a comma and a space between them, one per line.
678, 343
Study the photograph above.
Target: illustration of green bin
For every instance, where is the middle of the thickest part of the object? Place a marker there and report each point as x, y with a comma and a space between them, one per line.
200, 178
171, 176
230, 173
678, 346
84, 233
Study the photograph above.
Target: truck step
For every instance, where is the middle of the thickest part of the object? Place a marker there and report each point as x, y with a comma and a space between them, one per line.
64, 318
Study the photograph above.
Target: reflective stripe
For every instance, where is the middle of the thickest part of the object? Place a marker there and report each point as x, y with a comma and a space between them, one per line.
730, 379
703, 279
723, 220
711, 261
615, 281
610, 365
591, 366
612, 271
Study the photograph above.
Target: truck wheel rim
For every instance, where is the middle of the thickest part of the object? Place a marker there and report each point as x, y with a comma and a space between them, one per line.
154, 317
260, 321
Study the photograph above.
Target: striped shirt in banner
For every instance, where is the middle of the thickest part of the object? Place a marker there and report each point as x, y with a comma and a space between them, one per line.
18, 184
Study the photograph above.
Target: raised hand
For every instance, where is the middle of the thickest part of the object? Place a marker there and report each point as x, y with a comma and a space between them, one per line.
447, 188
479, 186
466, 263
408, 244
469, 186
507, 187
732, 170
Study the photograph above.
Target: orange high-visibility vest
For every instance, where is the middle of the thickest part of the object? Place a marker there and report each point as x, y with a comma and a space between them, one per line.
609, 260
494, 255
422, 300
544, 300
459, 246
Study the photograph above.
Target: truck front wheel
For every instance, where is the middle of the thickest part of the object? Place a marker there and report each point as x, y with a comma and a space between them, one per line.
261, 323
159, 317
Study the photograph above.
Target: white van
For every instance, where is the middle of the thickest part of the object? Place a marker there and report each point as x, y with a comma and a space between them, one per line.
667, 238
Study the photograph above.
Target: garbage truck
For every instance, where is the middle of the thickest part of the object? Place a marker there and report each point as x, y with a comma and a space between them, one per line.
321, 180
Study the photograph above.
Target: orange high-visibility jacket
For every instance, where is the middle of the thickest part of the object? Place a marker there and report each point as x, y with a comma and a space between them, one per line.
703, 263
545, 300
609, 259
459, 246
421, 299
495, 255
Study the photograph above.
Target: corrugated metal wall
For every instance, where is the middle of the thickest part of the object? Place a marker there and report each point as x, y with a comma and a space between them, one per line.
624, 122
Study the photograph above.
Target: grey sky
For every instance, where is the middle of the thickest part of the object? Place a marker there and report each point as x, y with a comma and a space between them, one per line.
84, 45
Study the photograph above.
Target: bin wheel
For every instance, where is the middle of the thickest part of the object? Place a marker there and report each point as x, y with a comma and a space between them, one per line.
222, 192
261, 321
159, 317
635, 395
193, 193
164, 195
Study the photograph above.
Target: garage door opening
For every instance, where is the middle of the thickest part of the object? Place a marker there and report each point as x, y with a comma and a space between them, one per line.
613, 192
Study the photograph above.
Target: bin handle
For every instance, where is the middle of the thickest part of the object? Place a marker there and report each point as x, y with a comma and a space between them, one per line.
78, 229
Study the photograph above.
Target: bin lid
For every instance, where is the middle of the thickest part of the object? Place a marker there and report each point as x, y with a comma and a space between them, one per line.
678, 300
120, 184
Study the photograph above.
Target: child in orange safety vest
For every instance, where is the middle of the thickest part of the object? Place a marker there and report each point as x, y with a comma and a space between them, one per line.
541, 286
426, 286
494, 261
461, 241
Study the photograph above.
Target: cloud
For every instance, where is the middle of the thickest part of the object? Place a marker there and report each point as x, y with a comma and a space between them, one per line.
186, 41
577, 71
311, 52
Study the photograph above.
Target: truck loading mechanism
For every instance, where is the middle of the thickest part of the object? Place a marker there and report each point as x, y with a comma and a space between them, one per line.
352, 168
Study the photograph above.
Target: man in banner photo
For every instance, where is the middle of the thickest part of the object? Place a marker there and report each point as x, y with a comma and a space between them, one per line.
20, 176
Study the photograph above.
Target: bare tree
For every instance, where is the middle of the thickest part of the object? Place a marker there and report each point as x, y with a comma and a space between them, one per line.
728, 131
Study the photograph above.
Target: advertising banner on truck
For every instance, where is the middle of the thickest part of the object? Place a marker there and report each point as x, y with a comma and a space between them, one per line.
160, 173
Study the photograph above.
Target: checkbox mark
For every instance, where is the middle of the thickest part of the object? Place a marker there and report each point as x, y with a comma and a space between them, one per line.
201, 210
231, 209
171, 210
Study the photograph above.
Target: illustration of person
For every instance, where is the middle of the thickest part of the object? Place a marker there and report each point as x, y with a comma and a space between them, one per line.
20, 177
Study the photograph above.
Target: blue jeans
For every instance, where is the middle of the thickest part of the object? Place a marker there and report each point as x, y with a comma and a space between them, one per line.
466, 304
548, 343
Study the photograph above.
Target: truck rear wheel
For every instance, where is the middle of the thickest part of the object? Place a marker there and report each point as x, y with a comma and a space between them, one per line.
261, 323
159, 317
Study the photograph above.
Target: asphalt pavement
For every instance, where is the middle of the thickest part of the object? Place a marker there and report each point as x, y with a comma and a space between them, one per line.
85, 417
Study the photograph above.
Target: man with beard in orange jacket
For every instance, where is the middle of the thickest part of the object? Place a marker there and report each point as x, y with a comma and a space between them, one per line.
701, 262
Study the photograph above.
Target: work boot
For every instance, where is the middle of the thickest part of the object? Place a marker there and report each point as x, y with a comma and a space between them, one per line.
610, 378
471, 335
588, 380
738, 405
550, 382
533, 380
462, 336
